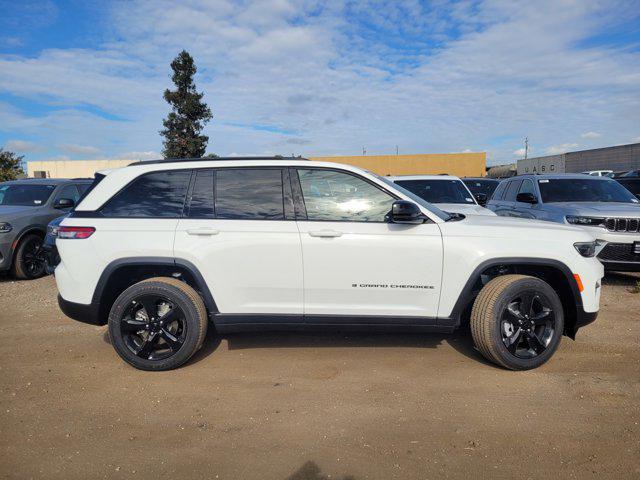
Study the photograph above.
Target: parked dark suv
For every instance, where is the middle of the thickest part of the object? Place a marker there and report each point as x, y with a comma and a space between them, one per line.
26, 207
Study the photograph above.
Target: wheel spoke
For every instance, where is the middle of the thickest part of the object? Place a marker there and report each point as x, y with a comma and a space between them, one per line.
526, 303
513, 341
174, 342
131, 325
147, 347
150, 306
513, 314
534, 342
173, 314
541, 317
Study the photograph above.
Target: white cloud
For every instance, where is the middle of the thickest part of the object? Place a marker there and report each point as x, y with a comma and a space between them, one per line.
557, 149
149, 155
519, 152
591, 135
79, 149
307, 74
22, 146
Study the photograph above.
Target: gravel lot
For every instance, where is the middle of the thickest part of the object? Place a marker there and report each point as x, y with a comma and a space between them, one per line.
315, 407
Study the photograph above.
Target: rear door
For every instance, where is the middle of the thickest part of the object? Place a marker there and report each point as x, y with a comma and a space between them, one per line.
239, 230
358, 267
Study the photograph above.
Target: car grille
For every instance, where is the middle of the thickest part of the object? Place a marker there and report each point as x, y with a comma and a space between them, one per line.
622, 224
619, 252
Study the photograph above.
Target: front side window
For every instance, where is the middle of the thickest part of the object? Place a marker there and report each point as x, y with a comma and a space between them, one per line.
249, 194
583, 190
70, 192
438, 191
527, 187
339, 197
155, 195
25, 195
512, 190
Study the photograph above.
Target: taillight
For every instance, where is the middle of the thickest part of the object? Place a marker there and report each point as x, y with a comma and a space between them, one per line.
75, 232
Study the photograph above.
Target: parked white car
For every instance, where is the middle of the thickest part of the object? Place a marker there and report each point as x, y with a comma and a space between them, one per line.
447, 192
598, 173
158, 250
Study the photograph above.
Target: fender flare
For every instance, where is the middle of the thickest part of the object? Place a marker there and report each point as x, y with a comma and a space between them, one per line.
159, 261
467, 293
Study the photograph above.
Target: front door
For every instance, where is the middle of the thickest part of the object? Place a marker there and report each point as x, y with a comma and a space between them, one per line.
358, 267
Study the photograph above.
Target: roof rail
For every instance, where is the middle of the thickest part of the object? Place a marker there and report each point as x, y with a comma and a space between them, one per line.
209, 159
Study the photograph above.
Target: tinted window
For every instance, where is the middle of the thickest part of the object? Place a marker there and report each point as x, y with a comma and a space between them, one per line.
68, 191
631, 184
497, 195
337, 196
482, 186
83, 187
512, 189
438, 191
201, 205
25, 195
583, 190
526, 187
249, 194
159, 194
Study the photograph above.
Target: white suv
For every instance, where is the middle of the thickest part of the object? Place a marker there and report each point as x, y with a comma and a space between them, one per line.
161, 250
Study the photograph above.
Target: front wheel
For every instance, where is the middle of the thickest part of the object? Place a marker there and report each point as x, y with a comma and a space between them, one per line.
157, 324
29, 262
517, 321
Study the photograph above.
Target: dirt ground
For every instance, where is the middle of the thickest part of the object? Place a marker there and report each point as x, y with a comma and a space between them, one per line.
315, 407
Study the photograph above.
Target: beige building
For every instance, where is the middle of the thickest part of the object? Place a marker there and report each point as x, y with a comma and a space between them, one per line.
460, 164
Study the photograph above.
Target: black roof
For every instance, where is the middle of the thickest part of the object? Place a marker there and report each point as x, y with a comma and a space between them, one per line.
209, 159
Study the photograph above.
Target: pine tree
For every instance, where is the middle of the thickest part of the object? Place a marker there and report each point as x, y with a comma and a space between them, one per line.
10, 165
189, 114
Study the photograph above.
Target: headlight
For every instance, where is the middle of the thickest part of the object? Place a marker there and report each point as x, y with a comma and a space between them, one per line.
585, 221
5, 227
586, 249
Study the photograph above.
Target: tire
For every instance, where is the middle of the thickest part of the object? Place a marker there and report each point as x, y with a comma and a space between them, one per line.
512, 332
166, 338
29, 262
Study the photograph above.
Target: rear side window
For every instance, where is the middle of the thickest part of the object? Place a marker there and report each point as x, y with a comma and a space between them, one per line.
249, 194
201, 205
155, 195
512, 190
497, 195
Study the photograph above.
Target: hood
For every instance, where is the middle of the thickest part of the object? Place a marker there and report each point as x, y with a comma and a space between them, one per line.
7, 212
600, 209
464, 209
518, 229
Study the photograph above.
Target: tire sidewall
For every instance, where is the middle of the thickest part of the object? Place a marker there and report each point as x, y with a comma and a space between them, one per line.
541, 288
192, 324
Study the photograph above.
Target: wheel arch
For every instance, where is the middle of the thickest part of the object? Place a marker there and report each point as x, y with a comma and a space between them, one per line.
29, 229
122, 273
554, 272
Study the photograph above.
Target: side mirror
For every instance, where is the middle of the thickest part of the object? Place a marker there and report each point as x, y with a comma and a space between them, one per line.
481, 198
526, 198
403, 211
63, 203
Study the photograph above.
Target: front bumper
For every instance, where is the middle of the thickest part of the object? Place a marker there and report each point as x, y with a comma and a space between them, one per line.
52, 259
81, 312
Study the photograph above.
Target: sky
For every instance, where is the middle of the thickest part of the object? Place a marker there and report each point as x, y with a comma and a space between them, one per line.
82, 79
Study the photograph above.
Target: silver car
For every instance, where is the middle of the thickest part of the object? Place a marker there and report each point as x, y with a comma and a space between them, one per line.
598, 204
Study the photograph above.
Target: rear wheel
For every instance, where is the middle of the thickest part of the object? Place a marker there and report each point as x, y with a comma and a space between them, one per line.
158, 324
517, 321
30, 261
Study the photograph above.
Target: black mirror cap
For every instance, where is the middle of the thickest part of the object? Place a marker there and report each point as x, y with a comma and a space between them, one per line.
526, 198
403, 211
64, 203
481, 198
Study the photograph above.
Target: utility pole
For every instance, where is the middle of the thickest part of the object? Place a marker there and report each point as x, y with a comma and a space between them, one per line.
364, 151
526, 147
396, 149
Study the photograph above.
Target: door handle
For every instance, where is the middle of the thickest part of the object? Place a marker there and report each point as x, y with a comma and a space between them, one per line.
202, 231
325, 233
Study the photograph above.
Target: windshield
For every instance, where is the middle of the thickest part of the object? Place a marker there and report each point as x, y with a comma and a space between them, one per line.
439, 191
420, 201
583, 190
25, 195
481, 186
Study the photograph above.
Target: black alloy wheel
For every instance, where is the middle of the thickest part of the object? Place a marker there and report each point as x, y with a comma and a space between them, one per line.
528, 324
30, 259
153, 327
